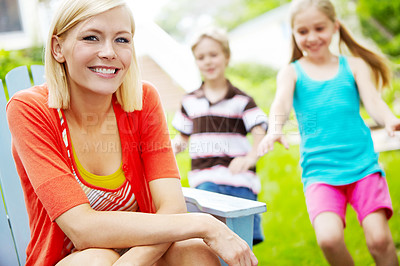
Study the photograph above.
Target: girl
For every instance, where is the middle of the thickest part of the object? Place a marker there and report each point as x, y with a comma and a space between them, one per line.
94, 157
337, 154
217, 117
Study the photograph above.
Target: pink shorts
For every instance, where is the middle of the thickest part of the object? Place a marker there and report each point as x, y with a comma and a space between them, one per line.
366, 196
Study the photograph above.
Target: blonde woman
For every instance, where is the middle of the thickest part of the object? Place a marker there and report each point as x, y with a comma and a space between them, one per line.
93, 153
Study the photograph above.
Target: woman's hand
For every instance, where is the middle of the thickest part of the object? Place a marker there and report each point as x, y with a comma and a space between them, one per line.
228, 245
267, 143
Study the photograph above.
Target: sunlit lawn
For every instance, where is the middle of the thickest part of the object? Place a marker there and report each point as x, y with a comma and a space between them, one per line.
289, 235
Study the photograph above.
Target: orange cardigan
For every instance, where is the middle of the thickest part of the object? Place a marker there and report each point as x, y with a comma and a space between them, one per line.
47, 180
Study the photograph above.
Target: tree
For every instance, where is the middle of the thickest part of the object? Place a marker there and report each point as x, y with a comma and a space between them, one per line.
380, 20
181, 17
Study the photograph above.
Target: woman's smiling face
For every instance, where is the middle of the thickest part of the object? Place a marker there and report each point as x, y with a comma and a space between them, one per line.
97, 52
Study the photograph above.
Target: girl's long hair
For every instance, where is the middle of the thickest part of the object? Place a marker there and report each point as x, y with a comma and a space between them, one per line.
378, 64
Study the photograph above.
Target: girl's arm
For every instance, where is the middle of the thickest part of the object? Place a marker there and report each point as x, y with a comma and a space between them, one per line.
371, 98
280, 110
168, 199
243, 163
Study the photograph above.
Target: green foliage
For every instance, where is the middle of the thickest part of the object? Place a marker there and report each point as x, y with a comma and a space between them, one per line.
13, 59
179, 17
250, 10
386, 12
171, 23
380, 21
256, 80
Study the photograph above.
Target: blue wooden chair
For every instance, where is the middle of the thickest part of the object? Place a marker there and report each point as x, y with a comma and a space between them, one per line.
38, 74
8, 254
237, 213
17, 79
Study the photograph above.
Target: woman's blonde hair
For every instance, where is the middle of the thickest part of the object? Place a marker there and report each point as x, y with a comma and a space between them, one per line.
378, 64
217, 34
69, 14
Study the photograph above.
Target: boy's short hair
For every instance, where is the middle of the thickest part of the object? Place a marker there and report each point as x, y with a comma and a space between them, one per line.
217, 34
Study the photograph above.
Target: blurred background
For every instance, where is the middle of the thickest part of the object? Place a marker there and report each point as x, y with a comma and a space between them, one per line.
259, 35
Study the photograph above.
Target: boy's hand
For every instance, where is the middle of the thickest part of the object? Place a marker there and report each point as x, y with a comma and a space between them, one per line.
242, 164
179, 143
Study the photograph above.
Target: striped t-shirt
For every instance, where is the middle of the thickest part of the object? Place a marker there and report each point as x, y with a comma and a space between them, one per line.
218, 134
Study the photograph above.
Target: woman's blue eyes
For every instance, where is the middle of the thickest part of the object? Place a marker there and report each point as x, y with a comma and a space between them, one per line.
122, 40
90, 38
94, 38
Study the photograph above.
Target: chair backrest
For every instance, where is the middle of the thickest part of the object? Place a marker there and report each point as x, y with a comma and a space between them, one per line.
16, 80
38, 74
8, 253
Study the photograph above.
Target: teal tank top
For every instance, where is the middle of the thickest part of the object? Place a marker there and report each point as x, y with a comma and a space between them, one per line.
336, 146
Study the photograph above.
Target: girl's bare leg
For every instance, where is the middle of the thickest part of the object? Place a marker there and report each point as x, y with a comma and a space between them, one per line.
329, 231
379, 239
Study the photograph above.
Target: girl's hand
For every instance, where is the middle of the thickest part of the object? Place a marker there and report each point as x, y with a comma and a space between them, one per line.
267, 143
242, 164
228, 245
392, 126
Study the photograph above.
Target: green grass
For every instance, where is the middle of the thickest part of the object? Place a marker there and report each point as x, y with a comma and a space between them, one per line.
289, 235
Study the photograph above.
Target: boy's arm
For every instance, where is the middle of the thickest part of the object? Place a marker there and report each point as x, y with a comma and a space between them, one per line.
244, 163
179, 143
